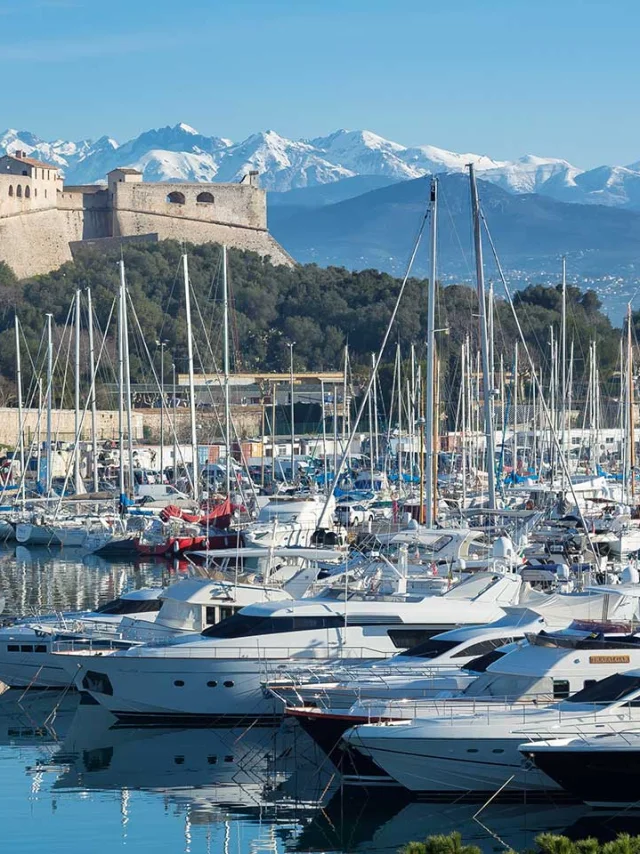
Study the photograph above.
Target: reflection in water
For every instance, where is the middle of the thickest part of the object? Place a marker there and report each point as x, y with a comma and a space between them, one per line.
71, 782
37, 580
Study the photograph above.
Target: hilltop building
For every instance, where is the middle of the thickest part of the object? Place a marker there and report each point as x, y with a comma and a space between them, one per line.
42, 221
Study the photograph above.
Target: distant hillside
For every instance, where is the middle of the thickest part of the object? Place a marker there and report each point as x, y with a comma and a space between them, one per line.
531, 232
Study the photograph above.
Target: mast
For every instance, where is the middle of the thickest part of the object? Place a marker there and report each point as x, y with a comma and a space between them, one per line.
175, 425
273, 434
399, 387
463, 390
292, 411
488, 415
632, 443
20, 415
370, 407
563, 344
515, 409
127, 378
429, 384
375, 413
121, 391
94, 414
76, 446
49, 401
344, 401
324, 439
192, 394
227, 406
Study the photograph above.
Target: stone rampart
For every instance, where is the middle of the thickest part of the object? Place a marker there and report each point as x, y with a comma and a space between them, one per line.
231, 204
35, 242
39, 218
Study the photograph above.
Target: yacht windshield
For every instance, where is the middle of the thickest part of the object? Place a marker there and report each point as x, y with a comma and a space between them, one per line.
431, 648
119, 607
480, 664
608, 690
501, 685
245, 625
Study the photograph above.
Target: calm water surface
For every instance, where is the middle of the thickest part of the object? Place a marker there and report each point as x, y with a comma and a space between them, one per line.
71, 782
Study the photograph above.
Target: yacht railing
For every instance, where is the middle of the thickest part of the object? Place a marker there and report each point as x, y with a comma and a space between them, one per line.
264, 656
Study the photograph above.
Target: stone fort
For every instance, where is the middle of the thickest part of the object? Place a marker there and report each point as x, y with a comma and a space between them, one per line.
42, 221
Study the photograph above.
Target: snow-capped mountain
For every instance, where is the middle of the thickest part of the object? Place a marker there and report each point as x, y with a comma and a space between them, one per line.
181, 153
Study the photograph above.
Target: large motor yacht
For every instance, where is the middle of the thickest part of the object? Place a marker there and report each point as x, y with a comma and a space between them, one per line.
219, 673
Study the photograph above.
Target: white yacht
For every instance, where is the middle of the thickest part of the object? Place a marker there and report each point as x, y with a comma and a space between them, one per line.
43, 653
25, 646
219, 674
289, 520
471, 744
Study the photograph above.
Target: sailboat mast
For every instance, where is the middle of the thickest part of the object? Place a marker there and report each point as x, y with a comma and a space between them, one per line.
20, 415
121, 388
49, 401
192, 394
431, 357
127, 378
399, 388
463, 389
565, 449
76, 447
227, 406
632, 443
484, 341
94, 414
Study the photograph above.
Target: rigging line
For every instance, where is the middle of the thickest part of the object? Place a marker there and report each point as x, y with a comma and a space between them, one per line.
243, 459
543, 403
66, 372
70, 464
169, 298
443, 195
163, 402
378, 359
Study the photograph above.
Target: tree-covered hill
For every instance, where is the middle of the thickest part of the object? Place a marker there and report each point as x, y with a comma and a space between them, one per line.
321, 309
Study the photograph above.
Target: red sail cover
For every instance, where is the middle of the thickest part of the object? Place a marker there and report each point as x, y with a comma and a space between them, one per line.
219, 516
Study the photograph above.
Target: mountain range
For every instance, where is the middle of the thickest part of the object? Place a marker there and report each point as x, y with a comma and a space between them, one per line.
531, 232
181, 153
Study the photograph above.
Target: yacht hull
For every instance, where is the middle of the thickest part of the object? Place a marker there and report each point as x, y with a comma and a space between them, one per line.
602, 778
433, 766
36, 535
179, 691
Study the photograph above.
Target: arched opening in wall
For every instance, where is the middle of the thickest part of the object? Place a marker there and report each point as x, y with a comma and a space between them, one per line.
10, 189
27, 192
205, 198
175, 198
19, 191
35, 192
45, 194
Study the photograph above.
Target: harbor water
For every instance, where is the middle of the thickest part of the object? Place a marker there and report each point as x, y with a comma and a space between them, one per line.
71, 781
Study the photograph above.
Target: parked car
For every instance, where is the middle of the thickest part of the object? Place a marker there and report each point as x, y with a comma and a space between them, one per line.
381, 509
349, 514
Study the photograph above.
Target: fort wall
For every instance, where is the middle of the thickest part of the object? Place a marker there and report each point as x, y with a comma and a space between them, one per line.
36, 241
39, 217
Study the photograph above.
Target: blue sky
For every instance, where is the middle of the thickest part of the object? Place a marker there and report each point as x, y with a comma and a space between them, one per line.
502, 77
